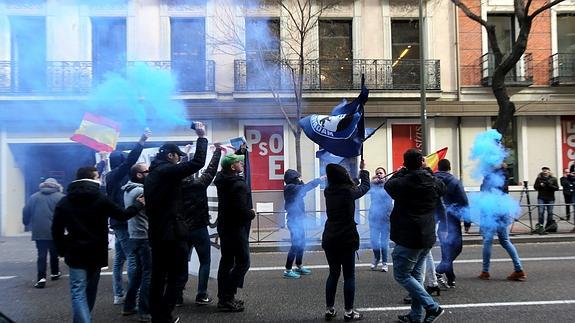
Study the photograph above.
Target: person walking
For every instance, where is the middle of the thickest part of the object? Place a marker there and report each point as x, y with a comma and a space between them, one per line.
449, 214
115, 179
545, 185
416, 193
340, 239
80, 231
197, 219
568, 184
235, 215
379, 212
38, 214
294, 193
139, 253
167, 230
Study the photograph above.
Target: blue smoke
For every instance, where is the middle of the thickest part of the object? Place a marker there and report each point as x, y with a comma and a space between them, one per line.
491, 208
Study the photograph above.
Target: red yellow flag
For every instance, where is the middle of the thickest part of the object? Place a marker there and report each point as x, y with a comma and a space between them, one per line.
433, 159
98, 133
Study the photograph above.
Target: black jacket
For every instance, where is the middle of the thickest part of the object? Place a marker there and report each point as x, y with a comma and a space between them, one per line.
546, 187
416, 194
163, 193
118, 177
83, 214
340, 232
568, 184
234, 202
294, 192
195, 195
454, 200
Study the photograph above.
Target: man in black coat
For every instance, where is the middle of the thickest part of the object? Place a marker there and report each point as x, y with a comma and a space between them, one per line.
167, 231
546, 185
80, 232
235, 214
568, 185
416, 193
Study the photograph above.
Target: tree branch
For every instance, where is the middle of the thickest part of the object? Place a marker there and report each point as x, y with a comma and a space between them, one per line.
545, 7
469, 13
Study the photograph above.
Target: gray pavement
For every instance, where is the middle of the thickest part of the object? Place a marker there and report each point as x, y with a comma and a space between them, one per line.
547, 295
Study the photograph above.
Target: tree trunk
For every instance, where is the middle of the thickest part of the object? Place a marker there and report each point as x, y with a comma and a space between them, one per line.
298, 149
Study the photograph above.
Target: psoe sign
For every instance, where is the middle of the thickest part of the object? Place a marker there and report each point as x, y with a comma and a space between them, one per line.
266, 146
568, 140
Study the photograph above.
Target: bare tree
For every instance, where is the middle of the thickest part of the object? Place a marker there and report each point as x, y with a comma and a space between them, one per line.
297, 22
505, 62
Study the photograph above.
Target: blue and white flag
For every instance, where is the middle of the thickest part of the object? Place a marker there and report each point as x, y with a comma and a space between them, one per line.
341, 133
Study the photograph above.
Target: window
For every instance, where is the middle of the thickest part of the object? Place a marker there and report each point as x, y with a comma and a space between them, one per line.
505, 32
263, 52
335, 54
188, 54
108, 46
405, 53
566, 33
28, 53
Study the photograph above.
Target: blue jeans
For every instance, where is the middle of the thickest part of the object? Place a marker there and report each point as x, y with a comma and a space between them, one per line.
408, 267
379, 235
83, 288
297, 235
43, 247
198, 238
503, 235
139, 275
120, 248
339, 260
542, 208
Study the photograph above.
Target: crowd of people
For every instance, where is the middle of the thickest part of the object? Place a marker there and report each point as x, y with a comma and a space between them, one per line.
159, 213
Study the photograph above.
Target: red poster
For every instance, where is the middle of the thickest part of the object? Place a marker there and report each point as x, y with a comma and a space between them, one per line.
266, 146
568, 140
404, 137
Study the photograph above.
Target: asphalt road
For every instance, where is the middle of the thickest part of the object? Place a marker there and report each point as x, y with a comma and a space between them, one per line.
548, 295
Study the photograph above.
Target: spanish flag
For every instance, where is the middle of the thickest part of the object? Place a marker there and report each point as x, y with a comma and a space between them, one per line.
433, 159
98, 133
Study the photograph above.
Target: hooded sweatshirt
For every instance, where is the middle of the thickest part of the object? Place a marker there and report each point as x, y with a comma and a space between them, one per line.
39, 211
234, 198
80, 226
294, 192
138, 225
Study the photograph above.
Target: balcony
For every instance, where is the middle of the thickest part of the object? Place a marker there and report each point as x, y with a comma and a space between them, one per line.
562, 69
77, 77
520, 75
328, 75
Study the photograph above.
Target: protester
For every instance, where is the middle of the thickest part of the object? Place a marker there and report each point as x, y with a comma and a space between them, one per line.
197, 219
167, 231
416, 194
235, 213
80, 231
379, 212
449, 214
340, 239
545, 185
497, 182
38, 214
115, 179
568, 185
139, 253
294, 193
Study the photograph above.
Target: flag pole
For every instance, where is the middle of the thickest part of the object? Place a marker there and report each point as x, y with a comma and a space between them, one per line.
362, 116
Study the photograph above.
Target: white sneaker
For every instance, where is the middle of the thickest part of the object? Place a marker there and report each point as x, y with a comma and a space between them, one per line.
373, 265
118, 300
384, 268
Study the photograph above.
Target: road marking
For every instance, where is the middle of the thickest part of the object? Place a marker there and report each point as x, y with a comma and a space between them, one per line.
499, 304
465, 261
6, 277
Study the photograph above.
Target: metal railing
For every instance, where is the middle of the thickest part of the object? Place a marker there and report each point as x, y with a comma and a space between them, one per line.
319, 75
520, 75
562, 69
77, 77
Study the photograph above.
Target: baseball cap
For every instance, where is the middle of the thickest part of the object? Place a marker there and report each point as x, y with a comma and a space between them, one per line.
171, 148
230, 159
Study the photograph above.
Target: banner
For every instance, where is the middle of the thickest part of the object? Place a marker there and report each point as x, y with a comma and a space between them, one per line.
404, 137
98, 133
568, 141
266, 146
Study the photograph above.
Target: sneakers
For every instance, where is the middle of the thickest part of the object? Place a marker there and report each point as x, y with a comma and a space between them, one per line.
451, 283
232, 305
540, 229
118, 300
404, 318
41, 283
203, 300
352, 316
145, 318
330, 314
441, 281
56, 277
301, 270
385, 268
484, 275
517, 276
433, 315
291, 274
374, 265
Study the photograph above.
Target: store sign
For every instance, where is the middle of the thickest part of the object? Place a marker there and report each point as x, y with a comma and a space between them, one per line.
568, 140
404, 137
266, 146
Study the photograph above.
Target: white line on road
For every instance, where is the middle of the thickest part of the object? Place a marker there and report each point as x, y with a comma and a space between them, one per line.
6, 277
499, 304
465, 261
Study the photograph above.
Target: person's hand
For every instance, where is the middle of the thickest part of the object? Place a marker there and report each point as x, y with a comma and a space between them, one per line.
103, 155
362, 164
323, 178
187, 148
141, 199
146, 135
200, 129
218, 146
